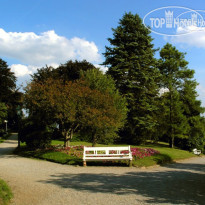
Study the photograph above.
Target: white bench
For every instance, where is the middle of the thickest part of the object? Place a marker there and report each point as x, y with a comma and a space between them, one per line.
197, 152
107, 153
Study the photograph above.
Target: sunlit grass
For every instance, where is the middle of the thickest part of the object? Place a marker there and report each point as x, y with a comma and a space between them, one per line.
5, 193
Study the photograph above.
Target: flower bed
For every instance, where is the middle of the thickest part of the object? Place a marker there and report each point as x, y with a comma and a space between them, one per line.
140, 153
77, 151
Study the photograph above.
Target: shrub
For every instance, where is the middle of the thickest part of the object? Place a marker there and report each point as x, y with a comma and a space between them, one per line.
35, 135
57, 134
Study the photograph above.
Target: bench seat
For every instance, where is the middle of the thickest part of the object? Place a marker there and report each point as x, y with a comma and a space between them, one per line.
106, 153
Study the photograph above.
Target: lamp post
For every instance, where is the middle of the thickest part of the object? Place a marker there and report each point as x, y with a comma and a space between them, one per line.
6, 124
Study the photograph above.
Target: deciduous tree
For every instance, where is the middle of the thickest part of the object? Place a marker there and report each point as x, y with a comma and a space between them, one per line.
75, 104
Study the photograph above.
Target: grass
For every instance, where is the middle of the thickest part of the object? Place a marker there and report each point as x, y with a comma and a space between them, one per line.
166, 155
5, 193
52, 156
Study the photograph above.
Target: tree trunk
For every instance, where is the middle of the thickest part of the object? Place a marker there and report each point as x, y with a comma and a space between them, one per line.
66, 139
71, 134
171, 140
94, 140
19, 142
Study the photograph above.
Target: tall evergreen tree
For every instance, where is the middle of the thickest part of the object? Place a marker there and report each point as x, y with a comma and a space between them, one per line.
130, 61
9, 95
178, 80
193, 111
7, 82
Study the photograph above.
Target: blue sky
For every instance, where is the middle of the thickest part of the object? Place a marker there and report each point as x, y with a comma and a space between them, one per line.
38, 32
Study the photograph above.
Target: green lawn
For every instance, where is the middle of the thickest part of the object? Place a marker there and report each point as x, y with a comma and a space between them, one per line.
166, 155
5, 193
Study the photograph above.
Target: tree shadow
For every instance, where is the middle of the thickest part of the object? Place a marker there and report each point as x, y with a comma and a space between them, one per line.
188, 167
176, 187
6, 150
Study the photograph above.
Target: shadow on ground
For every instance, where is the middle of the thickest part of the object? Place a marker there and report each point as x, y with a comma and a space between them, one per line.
6, 150
171, 186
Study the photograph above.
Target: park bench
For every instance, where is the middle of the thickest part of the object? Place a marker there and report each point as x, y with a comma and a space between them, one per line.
107, 153
196, 151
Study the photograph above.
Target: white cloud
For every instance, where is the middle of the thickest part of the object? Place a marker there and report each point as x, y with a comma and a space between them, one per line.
195, 36
20, 70
47, 48
102, 67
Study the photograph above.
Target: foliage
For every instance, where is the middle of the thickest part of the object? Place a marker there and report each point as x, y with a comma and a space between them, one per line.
101, 83
5, 193
9, 95
181, 108
57, 134
98, 81
74, 104
3, 112
7, 82
131, 63
193, 111
68, 71
35, 134
90, 92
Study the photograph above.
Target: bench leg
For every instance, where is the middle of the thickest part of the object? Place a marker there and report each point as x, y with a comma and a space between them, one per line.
84, 163
130, 163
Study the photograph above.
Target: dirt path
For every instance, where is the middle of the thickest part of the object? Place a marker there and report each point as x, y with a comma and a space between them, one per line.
36, 182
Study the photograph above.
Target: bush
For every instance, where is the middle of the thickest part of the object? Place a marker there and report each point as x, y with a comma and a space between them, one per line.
189, 143
2, 132
57, 134
35, 135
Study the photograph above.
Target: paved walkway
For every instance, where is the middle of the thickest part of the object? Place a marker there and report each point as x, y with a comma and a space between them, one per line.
36, 182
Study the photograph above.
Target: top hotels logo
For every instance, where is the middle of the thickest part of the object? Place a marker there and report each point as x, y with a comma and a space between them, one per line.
174, 20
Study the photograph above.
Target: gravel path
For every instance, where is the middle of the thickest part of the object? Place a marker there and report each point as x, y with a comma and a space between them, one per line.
36, 182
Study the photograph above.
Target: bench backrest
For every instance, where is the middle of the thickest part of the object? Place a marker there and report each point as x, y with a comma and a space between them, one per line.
107, 151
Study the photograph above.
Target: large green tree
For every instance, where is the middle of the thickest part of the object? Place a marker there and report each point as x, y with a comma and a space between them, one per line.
130, 61
3, 113
117, 106
68, 71
7, 82
98, 111
193, 113
181, 104
10, 95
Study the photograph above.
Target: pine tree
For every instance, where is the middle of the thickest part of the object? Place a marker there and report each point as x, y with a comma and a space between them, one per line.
7, 82
130, 61
10, 95
175, 76
193, 111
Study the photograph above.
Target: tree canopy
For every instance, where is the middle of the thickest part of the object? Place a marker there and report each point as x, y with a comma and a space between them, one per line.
180, 100
131, 63
78, 104
10, 95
